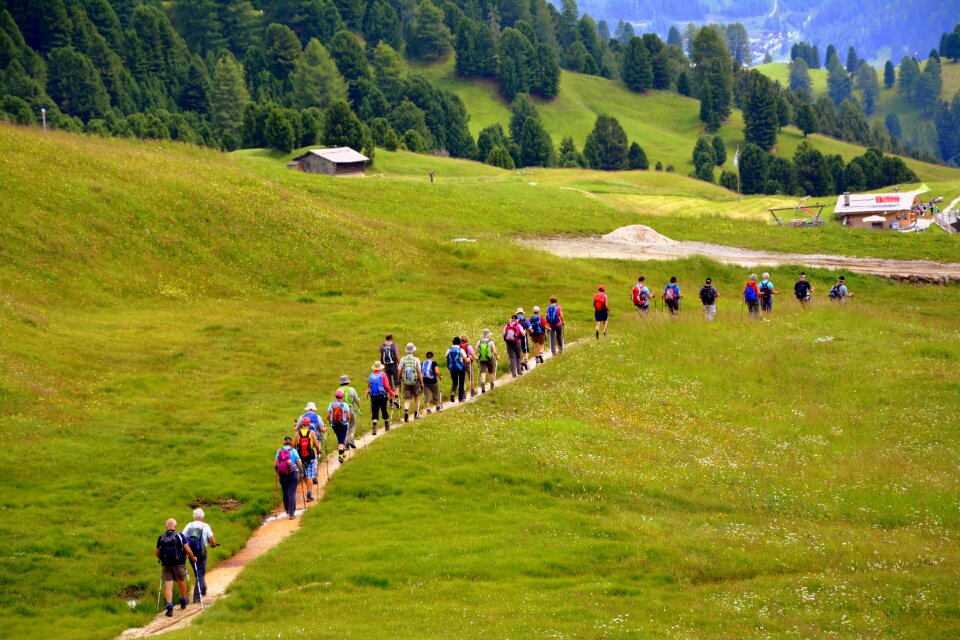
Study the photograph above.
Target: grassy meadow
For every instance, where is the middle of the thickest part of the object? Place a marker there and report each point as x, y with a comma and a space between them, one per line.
167, 311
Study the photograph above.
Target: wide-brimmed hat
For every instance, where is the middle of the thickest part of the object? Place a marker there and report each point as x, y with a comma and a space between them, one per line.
377, 366
344, 379
410, 347
519, 309
310, 407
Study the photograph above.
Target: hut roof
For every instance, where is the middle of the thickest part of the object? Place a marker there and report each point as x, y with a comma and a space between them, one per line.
338, 155
867, 203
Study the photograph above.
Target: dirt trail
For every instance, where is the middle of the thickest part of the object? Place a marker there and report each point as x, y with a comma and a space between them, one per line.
639, 242
275, 530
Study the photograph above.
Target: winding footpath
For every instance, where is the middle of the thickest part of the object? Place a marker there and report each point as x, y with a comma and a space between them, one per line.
278, 528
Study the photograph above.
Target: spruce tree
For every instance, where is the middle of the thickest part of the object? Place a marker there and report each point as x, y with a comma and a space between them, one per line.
349, 56
637, 158
282, 48
853, 62
708, 114
892, 123
869, 86
315, 80
278, 131
546, 82
719, 150
431, 37
606, 147
637, 69
683, 84
521, 109
889, 74
760, 117
753, 169
714, 69
807, 119
389, 71
342, 128
536, 149
839, 87
228, 97
800, 75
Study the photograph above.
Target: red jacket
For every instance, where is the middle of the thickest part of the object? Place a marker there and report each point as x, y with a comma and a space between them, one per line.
385, 379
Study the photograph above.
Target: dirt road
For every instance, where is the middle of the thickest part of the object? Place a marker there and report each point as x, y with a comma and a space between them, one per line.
639, 242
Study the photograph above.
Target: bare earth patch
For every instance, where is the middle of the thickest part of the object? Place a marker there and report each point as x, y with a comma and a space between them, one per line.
640, 242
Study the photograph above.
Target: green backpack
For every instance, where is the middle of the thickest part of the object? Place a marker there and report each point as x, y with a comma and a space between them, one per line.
485, 350
409, 371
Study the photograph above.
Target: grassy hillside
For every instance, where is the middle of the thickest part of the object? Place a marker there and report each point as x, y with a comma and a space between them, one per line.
168, 310
780, 71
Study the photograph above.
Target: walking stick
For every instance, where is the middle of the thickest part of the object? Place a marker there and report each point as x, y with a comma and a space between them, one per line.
159, 591
199, 590
326, 457
276, 494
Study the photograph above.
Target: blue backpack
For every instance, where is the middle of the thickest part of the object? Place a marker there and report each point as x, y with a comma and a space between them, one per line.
376, 385
427, 370
553, 315
536, 325
749, 295
455, 359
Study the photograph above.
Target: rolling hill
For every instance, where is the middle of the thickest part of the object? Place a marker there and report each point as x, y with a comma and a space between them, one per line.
167, 311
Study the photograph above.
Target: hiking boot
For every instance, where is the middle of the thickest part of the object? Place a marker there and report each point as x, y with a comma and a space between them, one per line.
341, 458
315, 483
473, 393
492, 385
183, 603
416, 415
453, 398
483, 388
386, 427
406, 417
309, 496
169, 613
439, 408
598, 334
351, 445
428, 412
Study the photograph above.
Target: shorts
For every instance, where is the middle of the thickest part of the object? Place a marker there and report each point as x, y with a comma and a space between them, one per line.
341, 431
310, 467
410, 392
601, 316
640, 307
538, 338
490, 366
176, 573
766, 303
673, 305
431, 391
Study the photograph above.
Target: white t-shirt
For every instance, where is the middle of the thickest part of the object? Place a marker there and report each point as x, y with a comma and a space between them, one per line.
205, 531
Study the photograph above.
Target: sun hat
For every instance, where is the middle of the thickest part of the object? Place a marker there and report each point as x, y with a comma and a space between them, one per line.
338, 394
377, 366
344, 379
310, 407
536, 309
486, 333
519, 309
410, 348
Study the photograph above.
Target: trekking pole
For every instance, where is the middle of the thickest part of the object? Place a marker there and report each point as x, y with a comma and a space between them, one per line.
276, 494
199, 590
159, 591
326, 457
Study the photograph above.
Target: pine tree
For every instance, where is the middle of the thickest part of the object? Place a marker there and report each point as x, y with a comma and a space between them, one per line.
75, 85
517, 55
719, 150
341, 127
315, 80
500, 157
869, 86
350, 57
570, 158
800, 75
637, 70
714, 69
892, 123
812, 173
536, 149
228, 97
282, 48
278, 131
606, 147
490, 137
708, 114
909, 74
683, 84
853, 62
431, 38
838, 83
889, 74
704, 158
521, 109
547, 79
381, 24
807, 119
637, 158
753, 169
389, 71
760, 117
674, 38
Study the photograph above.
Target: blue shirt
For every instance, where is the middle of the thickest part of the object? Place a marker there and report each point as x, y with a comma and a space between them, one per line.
294, 456
315, 421
676, 290
766, 284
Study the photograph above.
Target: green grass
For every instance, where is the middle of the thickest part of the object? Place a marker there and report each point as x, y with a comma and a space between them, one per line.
780, 71
166, 311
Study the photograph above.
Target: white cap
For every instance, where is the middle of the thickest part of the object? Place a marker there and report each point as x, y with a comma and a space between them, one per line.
310, 407
536, 309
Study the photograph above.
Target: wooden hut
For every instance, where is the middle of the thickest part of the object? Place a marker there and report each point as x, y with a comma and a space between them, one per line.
878, 210
338, 161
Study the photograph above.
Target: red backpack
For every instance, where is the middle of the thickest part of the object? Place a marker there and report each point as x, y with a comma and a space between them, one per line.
304, 446
600, 301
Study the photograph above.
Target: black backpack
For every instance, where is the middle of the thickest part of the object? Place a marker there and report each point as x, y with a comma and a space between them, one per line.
171, 549
706, 294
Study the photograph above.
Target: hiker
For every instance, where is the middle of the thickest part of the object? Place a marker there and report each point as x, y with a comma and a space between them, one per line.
672, 295
411, 380
538, 334
839, 292
708, 296
352, 398
200, 537
767, 291
380, 392
431, 174
173, 549
641, 295
457, 364
430, 373
308, 448
751, 296
390, 357
310, 411
338, 415
524, 343
601, 310
471, 357
512, 333
555, 323
802, 290
288, 467
487, 357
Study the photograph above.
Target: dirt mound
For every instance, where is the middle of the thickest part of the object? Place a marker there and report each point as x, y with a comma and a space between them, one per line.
638, 234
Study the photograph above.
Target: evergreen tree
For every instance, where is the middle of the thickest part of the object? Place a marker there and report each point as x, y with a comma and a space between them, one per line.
511, 82
75, 85
807, 119
889, 74
950, 45
603, 30
342, 128
567, 27
409, 117
767, 57
637, 71
228, 97
728, 180
738, 42
195, 93
637, 158
853, 62
606, 147
381, 24
713, 69
704, 158
926, 91
546, 81
415, 142
708, 113
500, 157
521, 109
315, 80
813, 176
490, 137
719, 150
517, 54
536, 149
674, 38
282, 48
389, 71
800, 76
753, 169
830, 55
278, 131
838, 83
578, 59
352, 12
570, 158
430, 36
909, 74
892, 123
349, 56
869, 86
683, 87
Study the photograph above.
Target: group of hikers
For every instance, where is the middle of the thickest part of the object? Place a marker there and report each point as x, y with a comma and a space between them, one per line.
757, 297
394, 378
